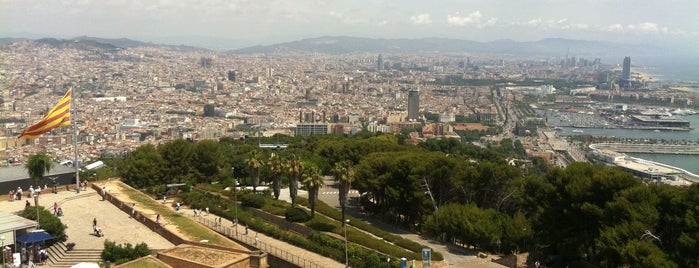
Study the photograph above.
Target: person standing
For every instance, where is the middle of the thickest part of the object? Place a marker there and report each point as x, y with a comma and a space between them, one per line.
55, 208
133, 210
157, 219
94, 223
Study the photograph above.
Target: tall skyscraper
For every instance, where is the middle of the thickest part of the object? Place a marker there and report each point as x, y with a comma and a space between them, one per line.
413, 104
231, 76
209, 110
626, 72
380, 63
206, 62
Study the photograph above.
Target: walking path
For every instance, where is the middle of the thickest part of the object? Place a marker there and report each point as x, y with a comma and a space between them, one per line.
281, 249
268, 244
453, 255
81, 208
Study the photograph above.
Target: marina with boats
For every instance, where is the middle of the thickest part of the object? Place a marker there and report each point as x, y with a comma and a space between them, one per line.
644, 132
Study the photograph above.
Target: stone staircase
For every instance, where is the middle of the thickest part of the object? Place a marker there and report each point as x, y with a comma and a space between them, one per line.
59, 256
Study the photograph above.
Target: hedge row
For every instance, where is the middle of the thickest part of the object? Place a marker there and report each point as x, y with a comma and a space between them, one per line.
335, 214
330, 247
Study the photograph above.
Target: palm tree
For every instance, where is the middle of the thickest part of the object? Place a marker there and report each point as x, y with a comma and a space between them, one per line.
313, 180
276, 167
294, 169
343, 173
255, 163
37, 165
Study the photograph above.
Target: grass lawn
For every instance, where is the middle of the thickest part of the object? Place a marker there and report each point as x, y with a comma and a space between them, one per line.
185, 226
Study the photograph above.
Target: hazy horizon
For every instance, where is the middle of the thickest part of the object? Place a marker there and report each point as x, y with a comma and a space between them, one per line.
242, 23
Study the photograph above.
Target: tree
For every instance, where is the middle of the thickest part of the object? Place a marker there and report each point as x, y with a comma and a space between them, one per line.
313, 180
254, 162
207, 160
343, 173
142, 167
178, 156
37, 165
276, 167
294, 168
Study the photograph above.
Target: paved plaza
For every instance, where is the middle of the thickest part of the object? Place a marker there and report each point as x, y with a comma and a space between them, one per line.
79, 210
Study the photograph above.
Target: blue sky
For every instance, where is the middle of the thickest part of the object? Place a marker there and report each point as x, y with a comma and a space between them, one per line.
269, 21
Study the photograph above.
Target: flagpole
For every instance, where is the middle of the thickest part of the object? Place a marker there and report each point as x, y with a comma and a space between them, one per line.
73, 119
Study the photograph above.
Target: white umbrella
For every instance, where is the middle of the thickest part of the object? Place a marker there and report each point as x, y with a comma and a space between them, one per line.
86, 265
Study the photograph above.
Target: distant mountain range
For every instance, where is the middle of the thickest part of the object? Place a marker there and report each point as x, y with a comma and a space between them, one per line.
95, 43
554, 47
545, 47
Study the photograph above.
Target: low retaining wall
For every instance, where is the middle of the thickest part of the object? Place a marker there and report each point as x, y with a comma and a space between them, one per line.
256, 258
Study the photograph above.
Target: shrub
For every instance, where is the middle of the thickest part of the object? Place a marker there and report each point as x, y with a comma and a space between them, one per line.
253, 200
49, 222
297, 215
119, 254
320, 224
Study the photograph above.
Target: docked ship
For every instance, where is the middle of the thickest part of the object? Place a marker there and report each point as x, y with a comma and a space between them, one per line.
658, 122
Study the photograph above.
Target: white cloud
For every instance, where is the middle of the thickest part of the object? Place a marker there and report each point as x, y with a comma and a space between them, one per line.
580, 26
472, 19
648, 27
614, 28
534, 22
421, 19
382, 23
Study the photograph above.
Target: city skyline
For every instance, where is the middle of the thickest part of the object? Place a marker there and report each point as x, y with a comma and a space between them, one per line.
235, 24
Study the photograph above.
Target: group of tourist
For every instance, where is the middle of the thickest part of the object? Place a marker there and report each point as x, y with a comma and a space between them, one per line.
17, 194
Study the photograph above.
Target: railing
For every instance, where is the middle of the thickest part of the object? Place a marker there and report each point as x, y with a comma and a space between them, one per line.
254, 241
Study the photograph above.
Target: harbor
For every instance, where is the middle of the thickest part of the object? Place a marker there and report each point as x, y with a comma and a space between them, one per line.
660, 154
642, 168
683, 149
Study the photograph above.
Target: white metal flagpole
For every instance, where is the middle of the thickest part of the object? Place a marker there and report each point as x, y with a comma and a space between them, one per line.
73, 118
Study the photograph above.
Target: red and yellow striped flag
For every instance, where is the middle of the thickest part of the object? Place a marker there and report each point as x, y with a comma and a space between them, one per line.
58, 116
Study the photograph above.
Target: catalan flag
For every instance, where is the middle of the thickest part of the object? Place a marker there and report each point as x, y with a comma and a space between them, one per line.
58, 116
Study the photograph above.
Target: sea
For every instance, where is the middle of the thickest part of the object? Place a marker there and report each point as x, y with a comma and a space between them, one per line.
662, 68
687, 162
669, 68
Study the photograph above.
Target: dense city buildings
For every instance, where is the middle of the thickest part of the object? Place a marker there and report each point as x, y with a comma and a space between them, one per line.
126, 97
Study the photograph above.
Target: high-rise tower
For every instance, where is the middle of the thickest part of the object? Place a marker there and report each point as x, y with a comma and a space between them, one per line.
413, 104
626, 72
379, 63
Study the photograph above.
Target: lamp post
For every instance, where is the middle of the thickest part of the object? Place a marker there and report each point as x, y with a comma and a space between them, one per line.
346, 256
235, 194
36, 206
2, 245
525, 239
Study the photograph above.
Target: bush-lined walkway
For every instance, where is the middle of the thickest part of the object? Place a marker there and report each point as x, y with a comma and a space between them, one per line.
270, 245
